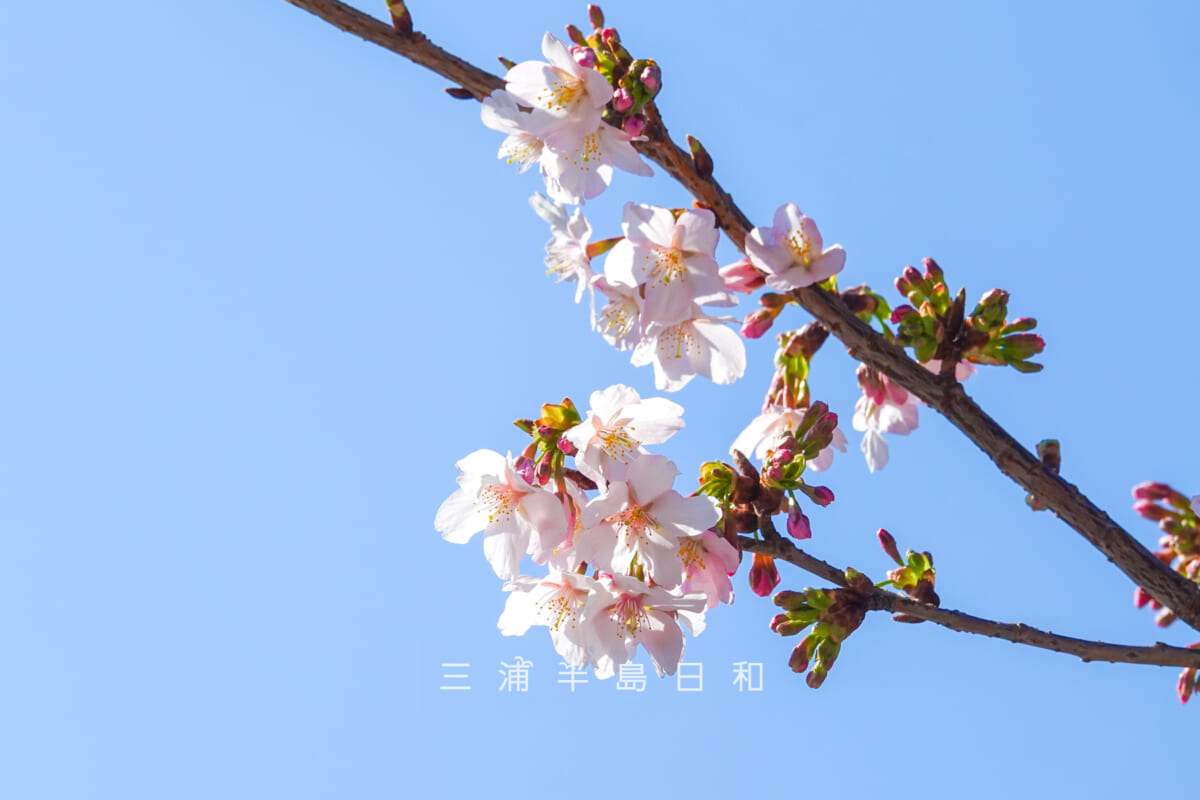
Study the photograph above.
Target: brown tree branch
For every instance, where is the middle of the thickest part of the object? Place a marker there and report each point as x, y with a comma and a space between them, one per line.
1158, 654
948, 397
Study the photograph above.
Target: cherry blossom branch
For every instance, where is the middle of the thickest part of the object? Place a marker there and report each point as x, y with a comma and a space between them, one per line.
947, 396
1158, 654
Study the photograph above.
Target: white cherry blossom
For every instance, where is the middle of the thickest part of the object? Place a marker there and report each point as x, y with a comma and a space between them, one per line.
574, 96
893, 412
626, 612
580, 166
556, 601
672, 258
700, 345
618, 423
515, 518
566, 252
642, 517
524, 145
620, 321
790, 253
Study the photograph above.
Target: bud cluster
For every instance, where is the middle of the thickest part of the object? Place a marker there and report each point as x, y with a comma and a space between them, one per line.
834, 614
1179, 546
635, 82
914, 575
936, 326
543, 458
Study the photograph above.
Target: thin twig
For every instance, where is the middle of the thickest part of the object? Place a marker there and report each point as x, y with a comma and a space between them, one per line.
1158, 654
864, 344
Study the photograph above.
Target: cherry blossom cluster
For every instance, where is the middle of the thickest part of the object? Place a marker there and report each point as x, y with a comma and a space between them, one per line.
656, 278
629, 560
575, 115
564, 115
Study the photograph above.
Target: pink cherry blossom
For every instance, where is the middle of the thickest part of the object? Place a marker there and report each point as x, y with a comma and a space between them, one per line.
790, 253
708, 561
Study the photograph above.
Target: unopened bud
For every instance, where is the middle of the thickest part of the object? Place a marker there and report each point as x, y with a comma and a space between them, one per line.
1151, 510
1140, 597
700, 157
524, 468
764, 577
622, 100
584, 57
801, 654
634, 126
1187, 685
544, 468
757, 323
1164, 617
595, 16
609, 37
932, 271
816, 677
652, 78
576, 36
798, 526
741, 276
888, 543
789, 600
564, 445
821, 495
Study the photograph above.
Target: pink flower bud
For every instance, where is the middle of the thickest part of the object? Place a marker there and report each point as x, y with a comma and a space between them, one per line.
652, 78
609, 37
634, 126
583, 56
741, 276
799, 658
622, 100
1140, 597
1151, 510
595, 16
821, 495
900, 312
797, 525
888, 543
757, 323
1186, 686
764, 577
524, 467
568, 449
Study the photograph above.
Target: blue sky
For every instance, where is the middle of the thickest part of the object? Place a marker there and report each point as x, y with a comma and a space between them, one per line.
264, 284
